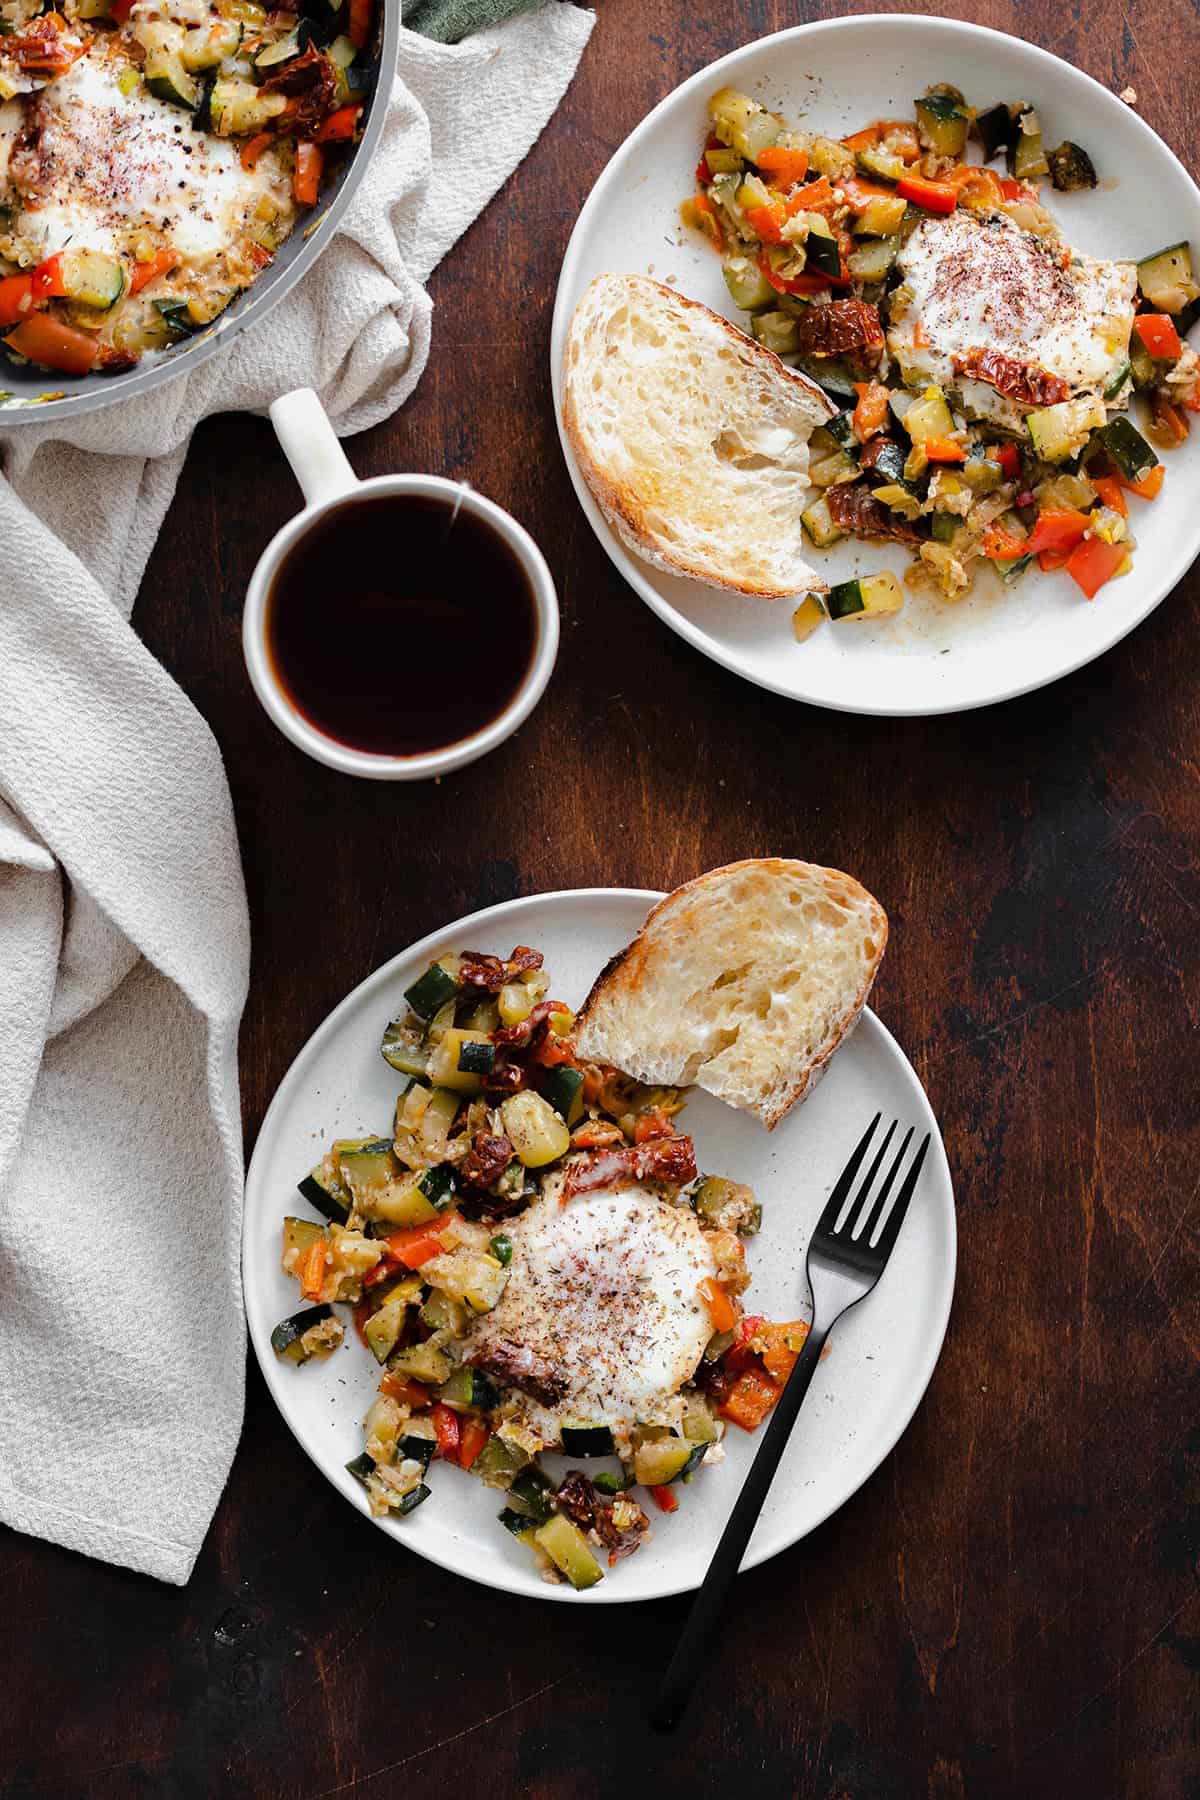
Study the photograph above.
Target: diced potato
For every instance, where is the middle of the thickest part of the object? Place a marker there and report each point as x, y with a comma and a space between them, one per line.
742, 123
443, 1067
807, 616
537, 1133
381, 1428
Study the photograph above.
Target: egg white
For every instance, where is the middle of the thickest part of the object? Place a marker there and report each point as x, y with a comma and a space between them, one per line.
983, 283
603, 1290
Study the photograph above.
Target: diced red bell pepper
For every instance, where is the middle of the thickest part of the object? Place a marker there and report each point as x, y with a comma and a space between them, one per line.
1051, 560
665, 1498
417, 1243
253, 148
1016, 190
473, 1434
750, 1398
721, 1311
1093, 562
358, 27
47, 279
766, 222
934, 196
16, 298
1009, 458
445, 1423
1056, 530
1157, 331
43, 340
400, 1387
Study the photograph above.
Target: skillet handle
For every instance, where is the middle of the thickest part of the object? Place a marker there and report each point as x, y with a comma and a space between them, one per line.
310, 444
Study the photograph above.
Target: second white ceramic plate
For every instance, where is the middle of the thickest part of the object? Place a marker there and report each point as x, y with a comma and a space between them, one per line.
835, 77
864, 1393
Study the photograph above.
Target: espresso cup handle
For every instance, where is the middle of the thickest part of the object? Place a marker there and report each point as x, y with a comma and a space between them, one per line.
310, 444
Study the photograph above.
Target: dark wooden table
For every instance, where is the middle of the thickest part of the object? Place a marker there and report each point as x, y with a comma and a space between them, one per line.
1010, 1607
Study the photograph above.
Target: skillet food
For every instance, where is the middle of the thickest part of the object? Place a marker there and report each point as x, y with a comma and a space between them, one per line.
154, 155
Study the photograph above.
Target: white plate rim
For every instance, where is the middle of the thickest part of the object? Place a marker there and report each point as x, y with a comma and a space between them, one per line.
273, 1371
630, 566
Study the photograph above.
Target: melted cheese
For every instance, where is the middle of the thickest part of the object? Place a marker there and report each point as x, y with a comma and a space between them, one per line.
986, 284
104, 165
603, 1291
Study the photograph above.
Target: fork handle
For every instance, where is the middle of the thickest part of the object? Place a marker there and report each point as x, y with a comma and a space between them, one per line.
696, 1643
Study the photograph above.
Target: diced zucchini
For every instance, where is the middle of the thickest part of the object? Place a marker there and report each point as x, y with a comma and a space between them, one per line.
299, 1235
881, 163
281, 51
1026, 156
404, 1047
699, 1426
742, 123
608, 1483
868, 597
723, 161
418, 1442
287, 1337
168, 80
1009, 568
361, 1466
981, 474
237, 107
929, 417
530, 1493
422, 1362
778, 331
450, 1066
889, 463
567, 1548
1058, 432
369, 1169
587, 1440
183, 317
899, 499
841, 430
822, 256
469, 1390
521, 1527
806, 617
92, 278
207, 46
1128, 449
828, 463
944, 527
411, 1501
443, 1312
516, 1002
1167, 280
1065, 493
537, 1133
827, 157
871, 261
342, 52
997, 130
817, 521
941, 125
435, 988
563, 1088
324, 1192
752, 191
498, 1462
474, 1277
661, 1460
748, 287
1071, 167
881, 217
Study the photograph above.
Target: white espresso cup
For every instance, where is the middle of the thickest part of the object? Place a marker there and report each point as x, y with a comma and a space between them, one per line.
327, 481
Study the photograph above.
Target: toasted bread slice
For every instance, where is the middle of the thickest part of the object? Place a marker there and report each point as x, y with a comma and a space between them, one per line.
744, 981
692, 437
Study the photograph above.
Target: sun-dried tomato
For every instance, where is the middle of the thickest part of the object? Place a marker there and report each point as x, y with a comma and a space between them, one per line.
853, 508
1023, 381
310, 83
518, 1035
840, 326
487, 1159
666, 1159
491, 972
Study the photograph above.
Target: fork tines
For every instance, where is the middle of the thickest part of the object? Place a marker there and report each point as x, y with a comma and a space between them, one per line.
864, 1216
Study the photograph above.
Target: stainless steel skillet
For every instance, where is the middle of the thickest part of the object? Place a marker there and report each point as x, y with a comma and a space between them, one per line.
39, 396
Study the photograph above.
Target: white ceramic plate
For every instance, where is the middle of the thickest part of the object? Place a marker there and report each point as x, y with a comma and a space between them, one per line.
835, 77
864, 1393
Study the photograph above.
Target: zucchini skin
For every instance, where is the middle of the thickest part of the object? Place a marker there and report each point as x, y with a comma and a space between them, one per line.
290, 1330
587, 1440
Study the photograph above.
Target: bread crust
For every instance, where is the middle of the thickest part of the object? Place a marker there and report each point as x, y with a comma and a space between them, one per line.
627, 968
620, 504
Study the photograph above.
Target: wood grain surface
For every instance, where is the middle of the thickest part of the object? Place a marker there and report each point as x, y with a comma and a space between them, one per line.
1011, 1606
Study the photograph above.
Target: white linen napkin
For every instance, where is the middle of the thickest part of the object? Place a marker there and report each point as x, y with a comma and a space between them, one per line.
124, 942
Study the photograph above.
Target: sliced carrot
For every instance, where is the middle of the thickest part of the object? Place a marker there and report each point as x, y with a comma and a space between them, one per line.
1173, 423
340, 126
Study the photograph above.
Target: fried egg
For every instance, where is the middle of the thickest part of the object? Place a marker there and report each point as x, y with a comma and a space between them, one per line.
600, 1322
94, 165
985, 284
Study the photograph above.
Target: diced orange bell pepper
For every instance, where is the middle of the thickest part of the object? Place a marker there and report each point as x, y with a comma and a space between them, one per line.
160, 264
1016, 190
944, 450
473, 1434
859, 194
1050, 560
445, 1423
339, 126
934, 196
750, 1398
766, 222
779, 1358
785, 167
399, 1387
1055, 529
900, 136
1157, 331
1149, 487
721, 1311
1110, 492
312, 1270
665, 1498
306, 176
253, 148
418, 1243
1169, 419
920, 337
1001, 546
358, 27
814, 196
1093, 562
870, 412
16, 298
866, 139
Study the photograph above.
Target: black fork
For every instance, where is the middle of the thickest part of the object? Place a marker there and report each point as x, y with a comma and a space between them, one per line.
846, 1257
